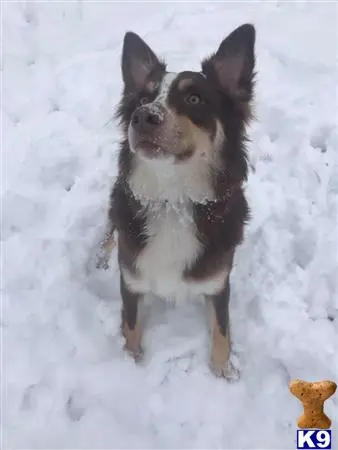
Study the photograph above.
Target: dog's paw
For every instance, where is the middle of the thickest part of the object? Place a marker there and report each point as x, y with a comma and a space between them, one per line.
97, 260
104, 252
225, 369
136, 355
102, 261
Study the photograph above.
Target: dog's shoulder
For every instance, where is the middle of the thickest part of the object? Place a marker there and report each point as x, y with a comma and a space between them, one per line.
128, 215
220, 228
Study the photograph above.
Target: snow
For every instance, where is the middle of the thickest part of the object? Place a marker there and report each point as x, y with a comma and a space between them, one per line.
65, 381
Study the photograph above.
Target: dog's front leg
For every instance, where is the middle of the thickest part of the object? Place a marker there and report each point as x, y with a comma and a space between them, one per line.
106, 246
131, 327
220, 361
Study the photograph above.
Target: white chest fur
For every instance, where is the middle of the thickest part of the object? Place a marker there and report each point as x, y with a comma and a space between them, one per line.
163, 180
172, 246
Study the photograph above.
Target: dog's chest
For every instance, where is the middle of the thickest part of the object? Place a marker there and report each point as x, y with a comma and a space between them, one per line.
172, 245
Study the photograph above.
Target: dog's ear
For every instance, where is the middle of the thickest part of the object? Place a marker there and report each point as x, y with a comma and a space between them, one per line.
138, 61
233, 64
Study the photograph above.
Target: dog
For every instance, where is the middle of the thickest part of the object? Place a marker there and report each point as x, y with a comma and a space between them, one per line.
178, 203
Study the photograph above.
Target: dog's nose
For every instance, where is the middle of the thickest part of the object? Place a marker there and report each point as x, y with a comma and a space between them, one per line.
145, 118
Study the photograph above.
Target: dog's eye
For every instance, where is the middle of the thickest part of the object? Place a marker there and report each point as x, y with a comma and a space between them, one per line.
194, 99
144, 101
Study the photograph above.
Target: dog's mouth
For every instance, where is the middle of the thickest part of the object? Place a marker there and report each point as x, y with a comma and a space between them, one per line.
150, 148
149, 145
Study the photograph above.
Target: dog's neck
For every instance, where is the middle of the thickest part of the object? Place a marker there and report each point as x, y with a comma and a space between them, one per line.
164, 181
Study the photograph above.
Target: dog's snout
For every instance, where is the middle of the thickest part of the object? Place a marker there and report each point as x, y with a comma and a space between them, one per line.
147, 117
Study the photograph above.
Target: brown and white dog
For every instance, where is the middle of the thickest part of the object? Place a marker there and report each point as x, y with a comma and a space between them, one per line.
178, 203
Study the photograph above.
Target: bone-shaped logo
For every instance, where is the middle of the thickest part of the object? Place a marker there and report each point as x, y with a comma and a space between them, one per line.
313, 396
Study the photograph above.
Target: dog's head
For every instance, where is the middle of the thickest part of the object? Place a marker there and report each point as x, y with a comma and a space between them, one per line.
179, 116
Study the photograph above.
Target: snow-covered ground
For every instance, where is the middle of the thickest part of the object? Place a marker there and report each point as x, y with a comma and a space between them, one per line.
65, 380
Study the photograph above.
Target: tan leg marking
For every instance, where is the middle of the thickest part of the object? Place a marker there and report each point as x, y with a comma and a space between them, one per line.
220, 350
133, 340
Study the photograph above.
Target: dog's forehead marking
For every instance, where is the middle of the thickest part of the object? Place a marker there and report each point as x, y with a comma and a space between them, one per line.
165, 86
